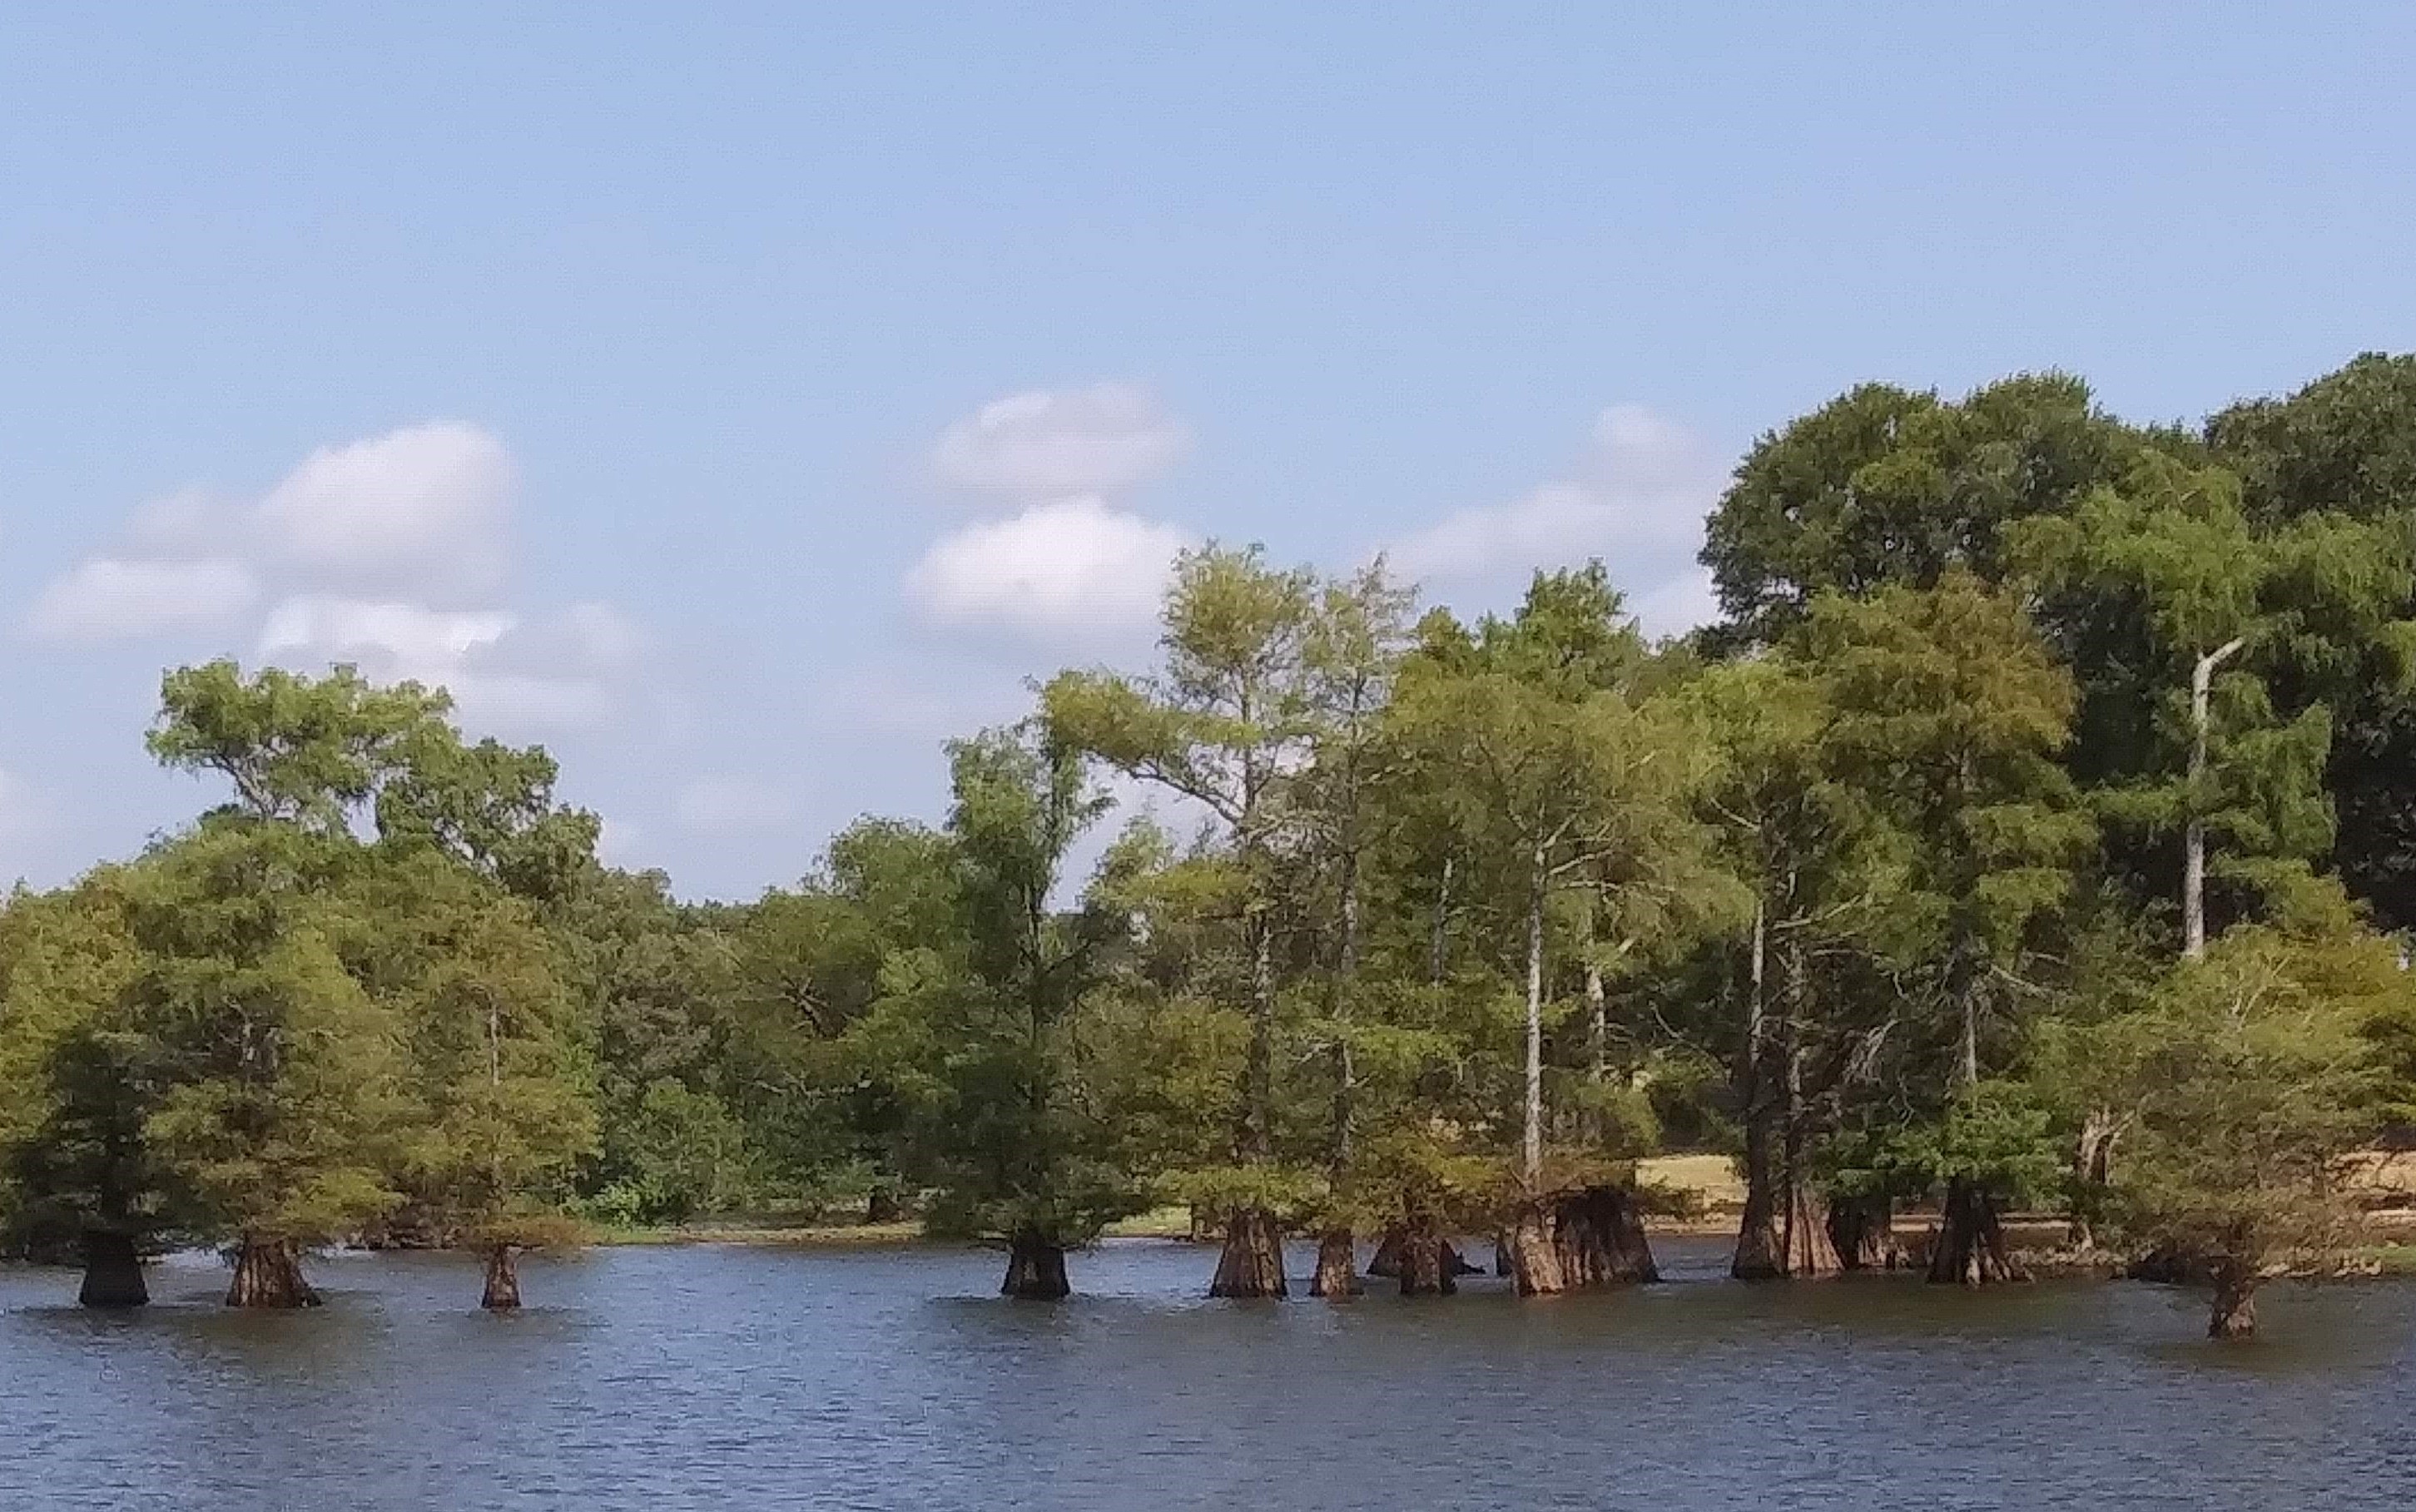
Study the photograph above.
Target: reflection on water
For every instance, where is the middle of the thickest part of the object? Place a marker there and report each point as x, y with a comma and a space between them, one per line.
731, 1378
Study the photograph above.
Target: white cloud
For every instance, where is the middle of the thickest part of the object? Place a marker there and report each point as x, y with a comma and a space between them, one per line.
728, 806
1638, 502
109, 598
561, 672
1047, 443
422, 509
1076, 569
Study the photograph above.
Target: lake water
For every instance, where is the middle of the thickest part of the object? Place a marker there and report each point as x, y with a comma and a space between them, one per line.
739, 1378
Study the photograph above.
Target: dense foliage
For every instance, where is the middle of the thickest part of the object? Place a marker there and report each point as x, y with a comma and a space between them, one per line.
2032, 831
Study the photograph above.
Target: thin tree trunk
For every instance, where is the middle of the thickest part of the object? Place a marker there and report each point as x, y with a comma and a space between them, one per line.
1761, 1250
2235, 1301
268, 1274
2194, 833
503, 1293
2092, 1161
113, 1270
1252, 1262
1533, 1150
1439, 945
1338, 1267
1035, 1269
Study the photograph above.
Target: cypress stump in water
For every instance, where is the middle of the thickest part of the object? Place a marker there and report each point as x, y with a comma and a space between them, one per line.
1863, 1232
1784, 1235
1035, 1270
1599, 1238
1970, 1246
503, 1291
1535, 1258
1428, 1266
1338, 1267
268, 1274
1252, 1262
2235, 1302
113, 1271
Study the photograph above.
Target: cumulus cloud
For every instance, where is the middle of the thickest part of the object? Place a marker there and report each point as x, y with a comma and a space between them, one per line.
1047, 443
110, 599
1078, 569
423, 508
555, 673
389, 552
1637, 500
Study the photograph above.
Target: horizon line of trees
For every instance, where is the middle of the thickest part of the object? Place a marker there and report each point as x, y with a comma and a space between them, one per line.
2037, 826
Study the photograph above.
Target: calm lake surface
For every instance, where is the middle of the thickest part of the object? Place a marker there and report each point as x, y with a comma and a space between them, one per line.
737, 1378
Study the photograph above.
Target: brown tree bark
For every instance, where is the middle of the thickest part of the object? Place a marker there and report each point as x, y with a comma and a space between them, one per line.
113, 1270
1970, 1246
1861, 1230
884, 1205
1035, 1269
1251, 1264
503, 1292
1338, 1267
268, 1274
1599, 1237
2235, 1301
1429, 1267
1535, 1258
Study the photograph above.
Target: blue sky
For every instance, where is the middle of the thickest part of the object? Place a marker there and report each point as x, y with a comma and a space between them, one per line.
740, 401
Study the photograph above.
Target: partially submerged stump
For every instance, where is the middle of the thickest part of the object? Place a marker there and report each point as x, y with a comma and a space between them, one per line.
1427, 1265
2235, 1301
1251, 1264
268, 1274
1386, 1261
1862, 1230
1534, 1259
1784, 1237
113, 1271
503, 1293
1970, 1249
1035, 1270
1599, 1237
1338, 1267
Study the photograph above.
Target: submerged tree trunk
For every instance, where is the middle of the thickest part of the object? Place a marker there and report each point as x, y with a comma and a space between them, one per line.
1970, 1246
268, 1274
1252, 1264
1429, 1267
1599, 1237
1862, 1230
1535, 1258
2235, 1301
1338, 1267
113, 1270
503, 1293
1035, 1269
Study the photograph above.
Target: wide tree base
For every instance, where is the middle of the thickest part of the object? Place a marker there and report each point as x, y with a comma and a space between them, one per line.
1338, 1267
2235, 1305
1971, 1248
1785, 1236
1252, 1262
1599, 1236
1861, 1230
113, 1271
1035, 1270
503, 1292
1534, 1259
1428, 1266
268, 1274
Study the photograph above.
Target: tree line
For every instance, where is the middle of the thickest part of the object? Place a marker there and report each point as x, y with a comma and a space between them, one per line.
2035, 827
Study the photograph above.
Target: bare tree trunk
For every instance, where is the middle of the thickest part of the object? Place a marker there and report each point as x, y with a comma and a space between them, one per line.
2235, 1301
113, 1270
1597, 1024
1533, 1150
2194, 833
1861, 1230
268, 1274
503, 1293
1970, 1248
1601, 1239
1252, 1264
1535, 1258
1437, 947
2092, 1161
1338, 1267
1035, 1269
